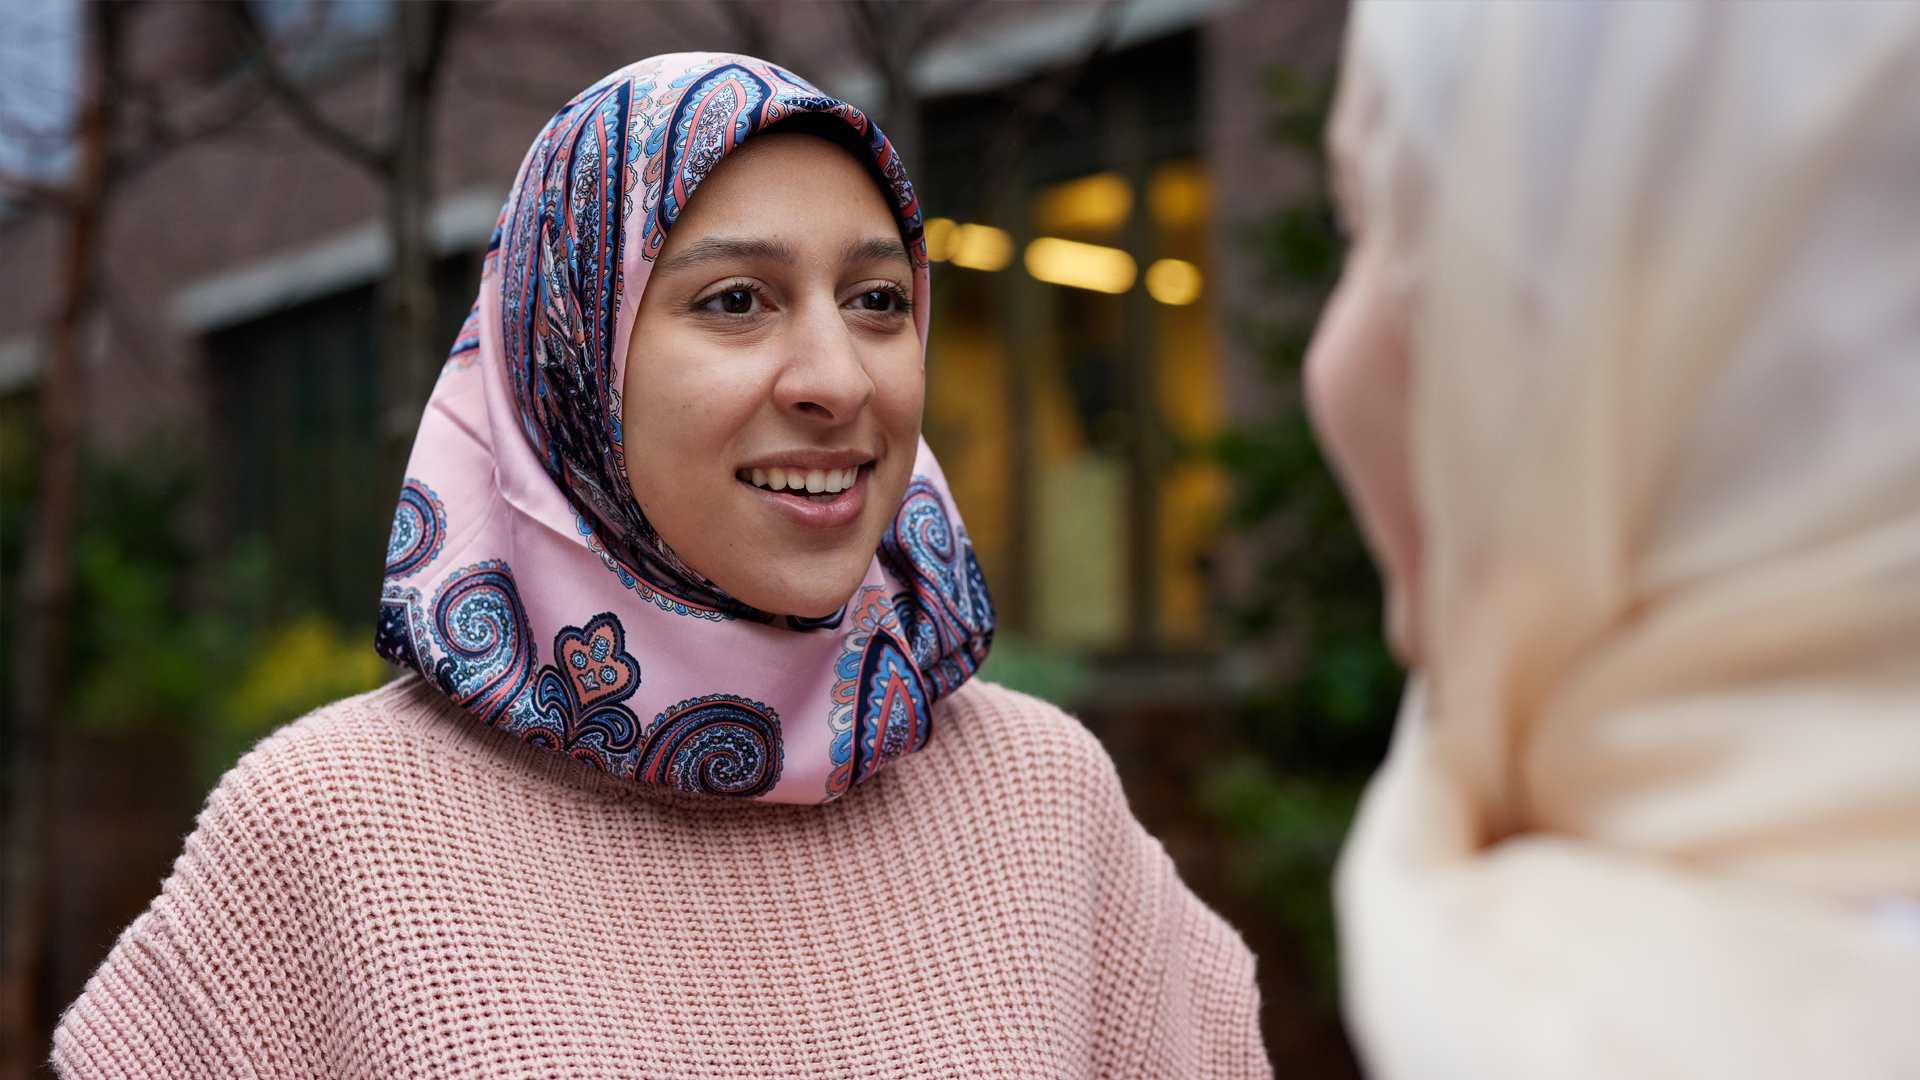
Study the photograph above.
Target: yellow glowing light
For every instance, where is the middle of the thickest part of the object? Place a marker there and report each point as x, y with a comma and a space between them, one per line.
1080, 266
980, 247
1174, 281
1098, 203
940, 239
1180, 195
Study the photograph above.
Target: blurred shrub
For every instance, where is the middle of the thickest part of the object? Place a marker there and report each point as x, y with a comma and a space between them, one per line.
1320, 721
170, 634
294, 667
1049, 674
1286, 829
144, 653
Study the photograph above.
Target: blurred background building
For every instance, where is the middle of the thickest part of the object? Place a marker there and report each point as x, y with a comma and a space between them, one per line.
238, 240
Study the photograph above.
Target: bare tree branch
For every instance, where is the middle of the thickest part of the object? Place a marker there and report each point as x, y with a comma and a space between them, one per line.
160, 131
28, 135
56, 197
1030, 102
508, 88
433, 46
892, 36
750, 26
375, 158
43, 657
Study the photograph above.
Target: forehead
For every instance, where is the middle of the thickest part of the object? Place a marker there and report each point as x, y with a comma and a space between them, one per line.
789, 180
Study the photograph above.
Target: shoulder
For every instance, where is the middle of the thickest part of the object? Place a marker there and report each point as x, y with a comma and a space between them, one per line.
1028, 743
315, 764
221, 965
314, 747
988, 712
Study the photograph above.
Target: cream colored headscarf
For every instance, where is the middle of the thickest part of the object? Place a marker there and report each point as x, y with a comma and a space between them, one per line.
1653, 807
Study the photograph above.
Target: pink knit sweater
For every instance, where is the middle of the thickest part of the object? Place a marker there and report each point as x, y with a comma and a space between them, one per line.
387, 889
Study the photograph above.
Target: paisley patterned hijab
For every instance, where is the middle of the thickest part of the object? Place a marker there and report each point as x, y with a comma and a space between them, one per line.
522, 577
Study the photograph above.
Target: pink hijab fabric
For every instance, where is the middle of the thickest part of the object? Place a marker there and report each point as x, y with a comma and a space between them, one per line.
522, 577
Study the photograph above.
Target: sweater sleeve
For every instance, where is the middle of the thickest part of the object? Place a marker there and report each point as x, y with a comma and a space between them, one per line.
213, 979
1177, 995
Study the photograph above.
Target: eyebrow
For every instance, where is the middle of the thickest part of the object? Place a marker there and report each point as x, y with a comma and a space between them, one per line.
878, 249
715, 248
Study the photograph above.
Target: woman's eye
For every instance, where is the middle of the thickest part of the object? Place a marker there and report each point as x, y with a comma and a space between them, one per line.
881, 300
742, 299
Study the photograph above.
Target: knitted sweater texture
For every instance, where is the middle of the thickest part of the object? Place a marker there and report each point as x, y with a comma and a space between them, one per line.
387, 889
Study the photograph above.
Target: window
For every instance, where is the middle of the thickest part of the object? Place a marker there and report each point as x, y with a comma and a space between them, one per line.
1074, 375
300, 458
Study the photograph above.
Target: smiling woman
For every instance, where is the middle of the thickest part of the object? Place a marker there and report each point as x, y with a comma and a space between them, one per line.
671, 552
776, 338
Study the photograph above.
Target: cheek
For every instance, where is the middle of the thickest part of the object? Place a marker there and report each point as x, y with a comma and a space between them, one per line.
1356, 381
890, 423
1358, 389
900, 389
1333, 381
681, 411
899, 398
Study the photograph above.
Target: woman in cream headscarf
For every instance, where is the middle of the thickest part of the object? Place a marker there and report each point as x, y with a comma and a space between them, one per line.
1624, 379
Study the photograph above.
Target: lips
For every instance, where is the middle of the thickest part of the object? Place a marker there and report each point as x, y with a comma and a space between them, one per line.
810, 498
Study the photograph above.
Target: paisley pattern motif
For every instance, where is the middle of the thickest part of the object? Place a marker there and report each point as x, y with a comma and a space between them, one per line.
580, 704
945, 613
578, 700
558, 257
881, 707
717, 108
400, 636
419, 530
485, 646
715, 745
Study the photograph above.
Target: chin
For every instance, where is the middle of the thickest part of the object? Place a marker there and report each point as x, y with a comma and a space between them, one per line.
814, 605
818, 596
784, 571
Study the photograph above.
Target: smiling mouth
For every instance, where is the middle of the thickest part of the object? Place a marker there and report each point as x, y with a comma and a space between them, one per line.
813, 485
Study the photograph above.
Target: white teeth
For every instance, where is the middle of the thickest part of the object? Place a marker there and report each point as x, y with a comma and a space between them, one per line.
811, 481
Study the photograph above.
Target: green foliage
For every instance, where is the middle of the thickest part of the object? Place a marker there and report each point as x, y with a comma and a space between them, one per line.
1288, 829
1318, 591
294, 667
142, 655
1048, 674
1321, 722
166, 637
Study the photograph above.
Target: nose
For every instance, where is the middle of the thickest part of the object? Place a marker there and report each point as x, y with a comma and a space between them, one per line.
823, 376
